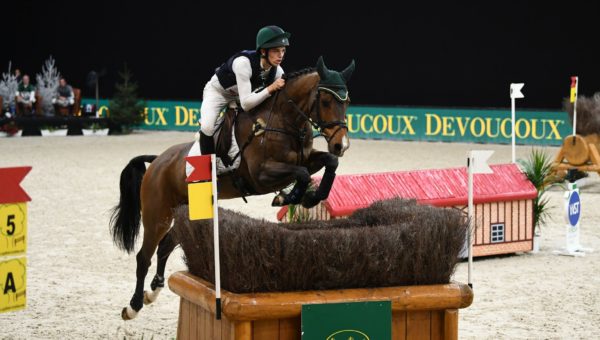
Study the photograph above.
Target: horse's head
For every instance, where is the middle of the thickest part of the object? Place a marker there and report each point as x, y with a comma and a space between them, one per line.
331, 104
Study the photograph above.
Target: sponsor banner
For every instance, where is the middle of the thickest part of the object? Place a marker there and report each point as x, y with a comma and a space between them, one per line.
534, 127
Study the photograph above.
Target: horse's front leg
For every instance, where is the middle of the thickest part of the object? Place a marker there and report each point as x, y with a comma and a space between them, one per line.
272, 175
317, 160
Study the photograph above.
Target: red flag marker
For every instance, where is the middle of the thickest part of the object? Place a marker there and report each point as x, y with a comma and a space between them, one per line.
202, 168
10, 189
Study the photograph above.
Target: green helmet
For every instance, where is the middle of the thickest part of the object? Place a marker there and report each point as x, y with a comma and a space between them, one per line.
272, 36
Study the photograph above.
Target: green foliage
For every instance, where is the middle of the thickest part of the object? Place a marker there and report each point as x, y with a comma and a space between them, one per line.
296, 213
538, 169
126, 109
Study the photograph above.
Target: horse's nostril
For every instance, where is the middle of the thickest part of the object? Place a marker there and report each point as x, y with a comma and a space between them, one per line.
338, 146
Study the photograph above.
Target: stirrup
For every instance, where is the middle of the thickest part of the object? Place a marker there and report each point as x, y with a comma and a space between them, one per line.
259, 127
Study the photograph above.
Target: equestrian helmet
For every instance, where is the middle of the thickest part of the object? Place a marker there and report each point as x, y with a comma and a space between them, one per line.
272, 36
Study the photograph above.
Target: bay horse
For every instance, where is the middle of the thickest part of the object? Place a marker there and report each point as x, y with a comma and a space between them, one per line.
270, 161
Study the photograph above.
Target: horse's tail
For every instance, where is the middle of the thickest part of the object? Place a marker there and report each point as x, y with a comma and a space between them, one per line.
125, 219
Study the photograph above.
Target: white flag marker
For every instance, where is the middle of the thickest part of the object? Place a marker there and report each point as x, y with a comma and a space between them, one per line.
476, 164
515, 92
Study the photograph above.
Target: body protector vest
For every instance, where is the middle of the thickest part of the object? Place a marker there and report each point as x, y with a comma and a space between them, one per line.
259, 79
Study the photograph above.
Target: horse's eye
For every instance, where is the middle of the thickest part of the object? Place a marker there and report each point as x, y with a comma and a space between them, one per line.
326, 103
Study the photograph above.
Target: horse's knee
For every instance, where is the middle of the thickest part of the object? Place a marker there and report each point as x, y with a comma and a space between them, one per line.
331, 162
303, 176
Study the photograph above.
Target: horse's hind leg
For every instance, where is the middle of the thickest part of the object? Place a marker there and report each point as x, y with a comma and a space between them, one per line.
156, 218
165, 247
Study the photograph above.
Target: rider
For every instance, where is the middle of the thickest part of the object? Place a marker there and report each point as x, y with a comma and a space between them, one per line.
248, 77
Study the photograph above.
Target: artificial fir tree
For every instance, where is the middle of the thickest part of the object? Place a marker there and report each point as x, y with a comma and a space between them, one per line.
47, 84
126, 109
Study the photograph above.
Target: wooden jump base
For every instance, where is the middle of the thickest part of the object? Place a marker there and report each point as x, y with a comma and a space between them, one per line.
418, 312
578, 152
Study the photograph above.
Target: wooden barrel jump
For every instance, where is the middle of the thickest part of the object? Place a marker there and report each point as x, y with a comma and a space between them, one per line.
418, 312
578, 152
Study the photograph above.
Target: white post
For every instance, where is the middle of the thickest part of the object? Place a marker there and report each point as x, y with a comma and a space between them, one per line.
575, 106
512, 120
470, 160
476, 164
213, 161
515, 92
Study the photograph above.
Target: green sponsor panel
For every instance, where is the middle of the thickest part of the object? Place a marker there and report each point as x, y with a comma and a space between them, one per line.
343, 321
162, 115
458, 125
399, 123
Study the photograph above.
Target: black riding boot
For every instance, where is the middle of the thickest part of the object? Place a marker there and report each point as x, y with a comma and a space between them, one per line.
207, 144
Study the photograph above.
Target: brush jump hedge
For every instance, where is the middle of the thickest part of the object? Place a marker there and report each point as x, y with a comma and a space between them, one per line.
393, 250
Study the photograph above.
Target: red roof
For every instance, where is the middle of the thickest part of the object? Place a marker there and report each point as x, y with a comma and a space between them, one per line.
439, 187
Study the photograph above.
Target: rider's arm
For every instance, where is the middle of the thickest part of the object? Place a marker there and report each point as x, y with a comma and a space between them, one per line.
243, 71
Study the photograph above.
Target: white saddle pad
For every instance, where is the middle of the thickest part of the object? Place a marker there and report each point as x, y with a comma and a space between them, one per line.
221, 168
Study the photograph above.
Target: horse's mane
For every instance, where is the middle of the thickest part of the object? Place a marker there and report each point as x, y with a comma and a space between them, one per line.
297, 74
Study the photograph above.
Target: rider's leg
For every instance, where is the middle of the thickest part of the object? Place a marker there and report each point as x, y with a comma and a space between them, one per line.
213, 101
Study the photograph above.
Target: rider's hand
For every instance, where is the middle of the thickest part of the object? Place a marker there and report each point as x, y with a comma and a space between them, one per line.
277, 85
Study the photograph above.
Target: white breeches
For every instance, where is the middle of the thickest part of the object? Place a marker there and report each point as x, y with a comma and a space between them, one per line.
214, 99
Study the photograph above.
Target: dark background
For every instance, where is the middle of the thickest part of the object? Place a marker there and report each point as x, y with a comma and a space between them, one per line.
407, 53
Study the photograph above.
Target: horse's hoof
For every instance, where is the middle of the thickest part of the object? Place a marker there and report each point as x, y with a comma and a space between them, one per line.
309, 200
151, 296
278, 201
128, 313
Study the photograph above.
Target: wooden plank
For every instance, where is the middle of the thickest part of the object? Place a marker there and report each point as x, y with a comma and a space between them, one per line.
399, 325
522, 221
205, 323
243, 330
290, 328
451, 324
437, 325
515, 221
180, 319
185, 320
418, 325
227, 329
193, 320
508, 222
265, 329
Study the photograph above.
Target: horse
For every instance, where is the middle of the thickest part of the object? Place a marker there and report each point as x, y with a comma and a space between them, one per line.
277, 150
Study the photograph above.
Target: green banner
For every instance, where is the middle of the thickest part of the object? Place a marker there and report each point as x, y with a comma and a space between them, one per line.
342, 321
399, 123
458, 125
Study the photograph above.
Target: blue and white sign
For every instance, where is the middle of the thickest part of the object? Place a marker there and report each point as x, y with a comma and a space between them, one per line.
574, 208
573, 217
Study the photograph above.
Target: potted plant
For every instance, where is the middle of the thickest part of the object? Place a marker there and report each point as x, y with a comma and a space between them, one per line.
9, 128
538, 169
95, 130
52, 131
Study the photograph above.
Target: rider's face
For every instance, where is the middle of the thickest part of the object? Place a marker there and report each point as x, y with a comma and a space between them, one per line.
276, 54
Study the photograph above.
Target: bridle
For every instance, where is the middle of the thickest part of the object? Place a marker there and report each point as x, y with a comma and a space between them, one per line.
319, 124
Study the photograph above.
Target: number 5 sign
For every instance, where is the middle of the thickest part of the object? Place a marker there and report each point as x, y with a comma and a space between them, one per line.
13, 238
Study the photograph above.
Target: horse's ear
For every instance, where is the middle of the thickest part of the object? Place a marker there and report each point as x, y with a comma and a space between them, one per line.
321, 68
347, 73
